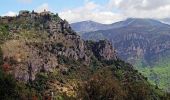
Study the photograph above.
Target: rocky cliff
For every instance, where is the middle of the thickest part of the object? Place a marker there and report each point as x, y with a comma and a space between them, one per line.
103, 50
54, 39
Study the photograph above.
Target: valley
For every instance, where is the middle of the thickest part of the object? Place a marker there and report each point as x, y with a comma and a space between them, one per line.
145, 43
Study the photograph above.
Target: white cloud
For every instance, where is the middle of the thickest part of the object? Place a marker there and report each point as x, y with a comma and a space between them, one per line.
90, 11
139, 4
116, 10
112, 11
10, 13
142, 8
43, 7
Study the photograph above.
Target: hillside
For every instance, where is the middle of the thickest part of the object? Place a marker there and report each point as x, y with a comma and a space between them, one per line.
41, 57
141, 42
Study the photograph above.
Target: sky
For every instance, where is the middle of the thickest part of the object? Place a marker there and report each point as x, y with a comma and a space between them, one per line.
102, 11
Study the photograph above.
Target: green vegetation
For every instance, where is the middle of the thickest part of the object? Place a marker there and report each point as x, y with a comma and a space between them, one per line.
40, 83
8, 87
101, 86
158, 74
95, 64
4, 33
118, 84
66, 60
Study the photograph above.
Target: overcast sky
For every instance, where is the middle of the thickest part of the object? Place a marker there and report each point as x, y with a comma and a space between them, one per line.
103, 11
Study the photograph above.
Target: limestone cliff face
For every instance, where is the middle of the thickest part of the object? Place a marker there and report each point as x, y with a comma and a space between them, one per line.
103, 50
106, 50
39, 40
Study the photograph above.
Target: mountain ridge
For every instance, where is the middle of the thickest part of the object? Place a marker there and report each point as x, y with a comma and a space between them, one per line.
78, 26
132, 26
92, 26
141, 42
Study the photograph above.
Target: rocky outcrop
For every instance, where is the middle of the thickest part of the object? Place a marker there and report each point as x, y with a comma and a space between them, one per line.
103, 50
27, 60
106, 50
45, 38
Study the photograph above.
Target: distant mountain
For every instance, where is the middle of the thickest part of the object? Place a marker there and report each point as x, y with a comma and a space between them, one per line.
87, 26
138, 23
142, 42
131, 31
166, 20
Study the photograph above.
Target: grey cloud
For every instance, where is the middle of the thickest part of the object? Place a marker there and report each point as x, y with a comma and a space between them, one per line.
139, 4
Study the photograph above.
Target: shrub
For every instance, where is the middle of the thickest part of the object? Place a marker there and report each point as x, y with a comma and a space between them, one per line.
8, 87
59, 45
102, 86
4, 33
40, 83
1, 57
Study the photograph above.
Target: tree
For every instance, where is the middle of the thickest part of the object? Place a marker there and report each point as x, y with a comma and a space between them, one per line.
8, 87
102, 86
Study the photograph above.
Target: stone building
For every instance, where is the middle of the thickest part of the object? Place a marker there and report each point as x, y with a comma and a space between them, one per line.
24, 13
